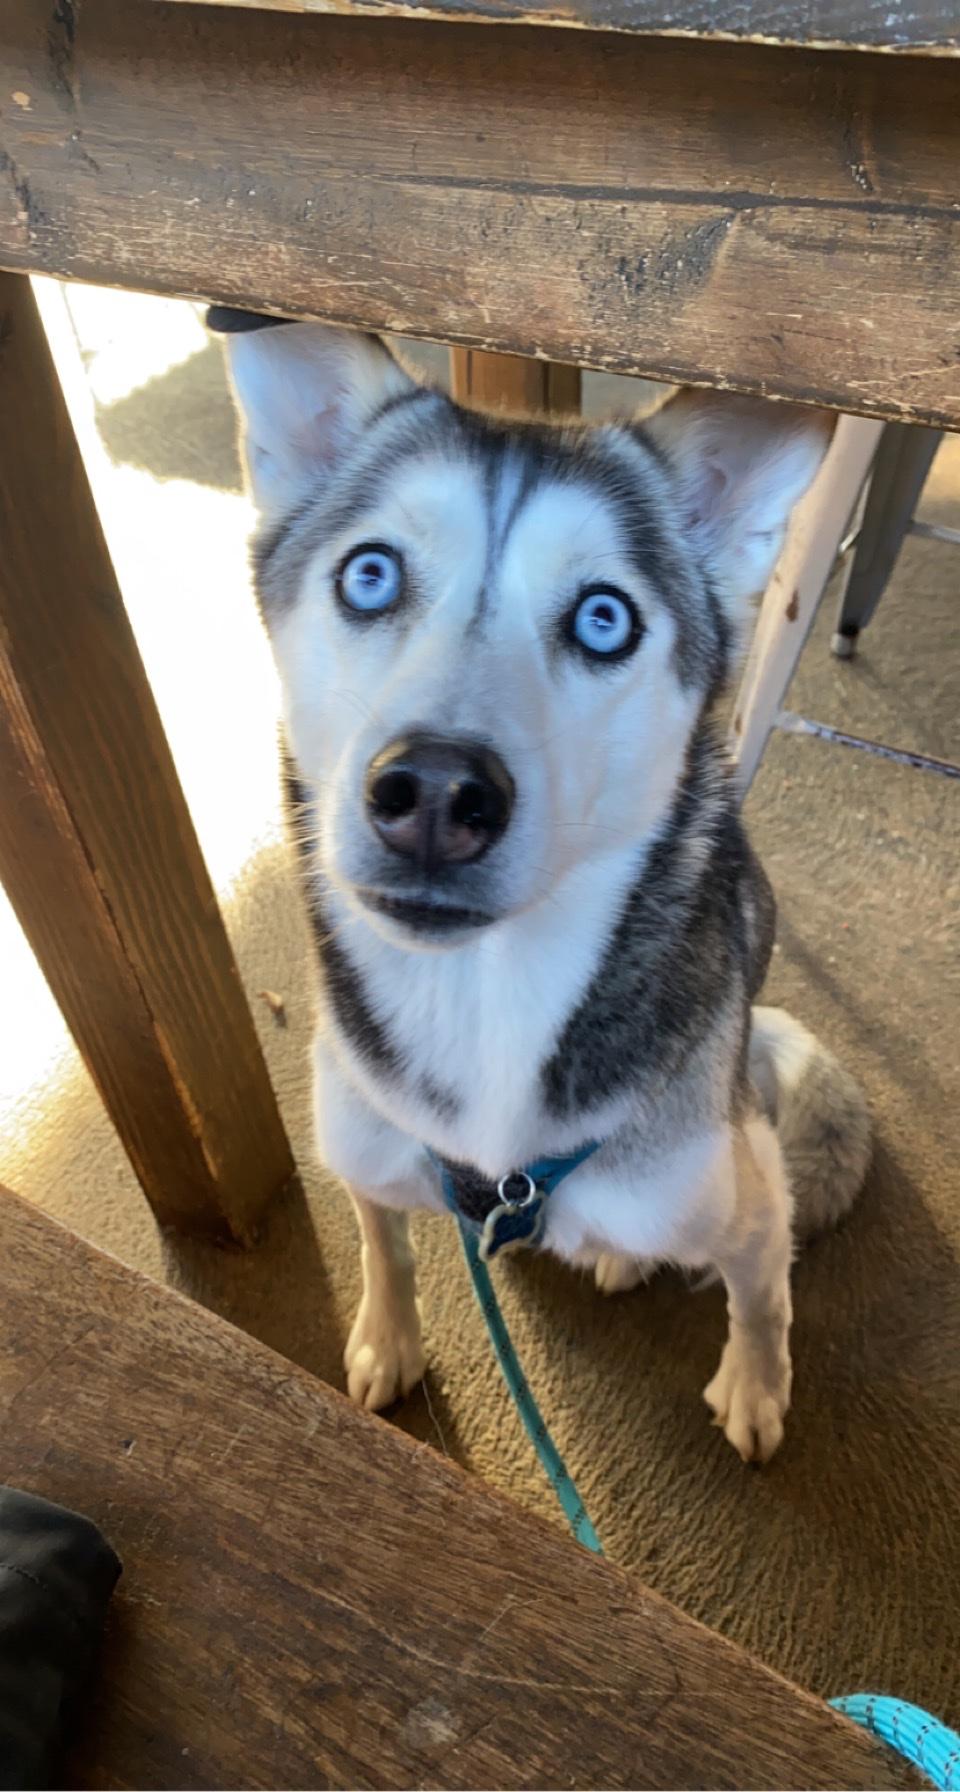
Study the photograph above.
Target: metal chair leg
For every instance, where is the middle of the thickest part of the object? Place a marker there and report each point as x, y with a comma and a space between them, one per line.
899, 473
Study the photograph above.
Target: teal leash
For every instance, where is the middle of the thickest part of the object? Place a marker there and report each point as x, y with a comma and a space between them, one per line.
532, 1418
911, 1731
517, 1222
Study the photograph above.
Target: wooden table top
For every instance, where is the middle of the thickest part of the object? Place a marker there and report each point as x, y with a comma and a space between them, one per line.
784, 222
311, 1599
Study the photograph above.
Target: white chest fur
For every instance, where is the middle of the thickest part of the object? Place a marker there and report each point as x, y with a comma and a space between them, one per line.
474, 1025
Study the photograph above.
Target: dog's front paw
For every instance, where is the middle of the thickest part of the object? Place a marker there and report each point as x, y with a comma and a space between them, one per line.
384, 1356
619, 1275
750, 1394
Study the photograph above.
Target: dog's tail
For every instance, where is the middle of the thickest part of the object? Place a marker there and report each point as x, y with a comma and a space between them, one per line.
820, 1114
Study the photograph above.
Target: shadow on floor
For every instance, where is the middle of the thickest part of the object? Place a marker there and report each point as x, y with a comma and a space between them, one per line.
180, 425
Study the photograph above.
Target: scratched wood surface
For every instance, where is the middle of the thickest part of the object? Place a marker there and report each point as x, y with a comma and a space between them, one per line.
310, 1599
97, 850
930, 27
717, 212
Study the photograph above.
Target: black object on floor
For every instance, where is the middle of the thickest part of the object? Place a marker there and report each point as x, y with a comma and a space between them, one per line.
56, 1576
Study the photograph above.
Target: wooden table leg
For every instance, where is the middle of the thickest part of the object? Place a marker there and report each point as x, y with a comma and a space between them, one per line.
513, 382
97, 849
797, 584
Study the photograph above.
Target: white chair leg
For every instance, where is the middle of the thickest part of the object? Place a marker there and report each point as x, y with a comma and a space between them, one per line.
797, 584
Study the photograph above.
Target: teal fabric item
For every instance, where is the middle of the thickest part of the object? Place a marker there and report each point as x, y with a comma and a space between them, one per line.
923, 1739
523, 1224
533, 1421
548, 1172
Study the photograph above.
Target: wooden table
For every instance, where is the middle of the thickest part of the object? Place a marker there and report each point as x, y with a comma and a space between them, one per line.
758, 194
780, 219
311, 1599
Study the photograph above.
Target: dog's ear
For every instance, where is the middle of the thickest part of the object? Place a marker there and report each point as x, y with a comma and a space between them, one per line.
742, 464
304, 393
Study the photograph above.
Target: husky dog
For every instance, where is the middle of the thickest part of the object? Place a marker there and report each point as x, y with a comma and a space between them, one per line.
538, 919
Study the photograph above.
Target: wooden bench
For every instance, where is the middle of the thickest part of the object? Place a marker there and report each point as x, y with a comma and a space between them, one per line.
311, 1599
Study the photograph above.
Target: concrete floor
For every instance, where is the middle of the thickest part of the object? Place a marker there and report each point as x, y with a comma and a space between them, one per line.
841, 1564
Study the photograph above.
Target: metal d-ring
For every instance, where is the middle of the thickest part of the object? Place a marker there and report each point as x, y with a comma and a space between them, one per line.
530, 1191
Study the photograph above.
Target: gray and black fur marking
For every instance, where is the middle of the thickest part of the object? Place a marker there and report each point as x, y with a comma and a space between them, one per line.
342, 983
683, 941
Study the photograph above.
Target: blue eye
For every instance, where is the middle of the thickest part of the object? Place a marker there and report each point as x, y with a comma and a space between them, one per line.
605, 623
370, 579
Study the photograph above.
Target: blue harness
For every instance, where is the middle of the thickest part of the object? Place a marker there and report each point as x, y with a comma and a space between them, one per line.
509, 1215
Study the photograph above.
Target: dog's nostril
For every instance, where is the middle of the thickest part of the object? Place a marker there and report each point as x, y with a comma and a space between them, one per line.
476, 805
395, 794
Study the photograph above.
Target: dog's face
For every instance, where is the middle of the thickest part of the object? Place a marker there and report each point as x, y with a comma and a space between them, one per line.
495, 639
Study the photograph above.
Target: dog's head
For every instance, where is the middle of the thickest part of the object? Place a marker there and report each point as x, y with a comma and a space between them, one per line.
495, 639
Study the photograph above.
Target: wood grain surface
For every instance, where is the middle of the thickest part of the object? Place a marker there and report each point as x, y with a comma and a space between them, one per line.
716, 212
513, 383
97, 850
930, 27
311, 1599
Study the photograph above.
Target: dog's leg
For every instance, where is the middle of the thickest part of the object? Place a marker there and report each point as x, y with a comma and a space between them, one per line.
750, 1392
384, 1356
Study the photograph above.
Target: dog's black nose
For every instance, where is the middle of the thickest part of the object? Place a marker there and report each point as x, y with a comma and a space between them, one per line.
438, 802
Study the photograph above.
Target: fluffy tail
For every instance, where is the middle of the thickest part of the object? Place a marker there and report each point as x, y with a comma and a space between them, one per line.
820, 1115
